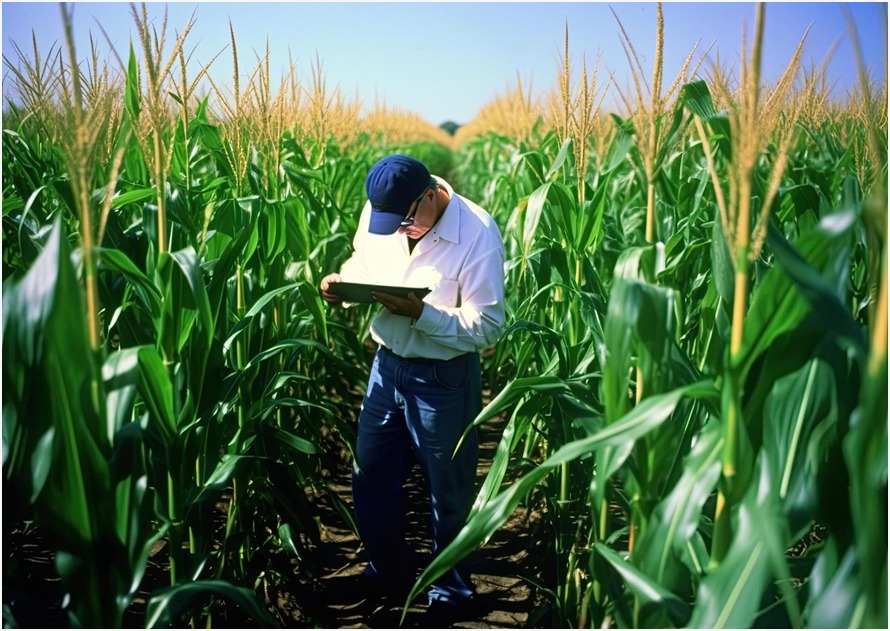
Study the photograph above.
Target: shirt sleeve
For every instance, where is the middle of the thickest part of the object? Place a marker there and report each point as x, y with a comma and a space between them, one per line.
478, 321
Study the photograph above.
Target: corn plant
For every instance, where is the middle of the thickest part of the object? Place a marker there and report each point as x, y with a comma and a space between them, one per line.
800, 330
187, 246
100, 410
684, 540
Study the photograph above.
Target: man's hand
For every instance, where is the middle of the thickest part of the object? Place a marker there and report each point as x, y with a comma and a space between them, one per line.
412, 306
331, 299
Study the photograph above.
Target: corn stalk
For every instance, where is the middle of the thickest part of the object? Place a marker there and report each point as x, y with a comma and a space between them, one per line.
752, 123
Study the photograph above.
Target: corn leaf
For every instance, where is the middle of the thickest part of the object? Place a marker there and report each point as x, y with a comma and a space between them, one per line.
781, 302
800, 418
642, 419
56, 445
166, 605
649, 591
675, 520
729, 597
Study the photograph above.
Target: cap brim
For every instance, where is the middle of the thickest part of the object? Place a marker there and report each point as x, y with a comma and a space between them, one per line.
383, 222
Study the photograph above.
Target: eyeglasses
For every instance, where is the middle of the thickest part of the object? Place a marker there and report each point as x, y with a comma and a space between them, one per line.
409, 219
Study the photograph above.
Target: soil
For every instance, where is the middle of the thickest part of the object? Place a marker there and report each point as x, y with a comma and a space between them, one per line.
504, 571
500, 569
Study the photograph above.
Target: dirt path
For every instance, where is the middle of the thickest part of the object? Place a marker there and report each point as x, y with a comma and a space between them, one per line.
498, 569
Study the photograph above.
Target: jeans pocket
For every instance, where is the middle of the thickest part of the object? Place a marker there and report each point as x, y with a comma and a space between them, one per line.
451, 374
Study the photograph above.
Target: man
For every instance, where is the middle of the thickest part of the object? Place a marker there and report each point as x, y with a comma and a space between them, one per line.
424, 388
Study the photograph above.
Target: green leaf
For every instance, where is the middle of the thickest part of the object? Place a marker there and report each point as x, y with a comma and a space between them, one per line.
533, 212
796, 201
781, 302
147, 291
675, 520
511, 435
590, 234
560, 158
57, 449
729, 597
837, 598
291, 344
263, 408
137, 524
696, 97
819, 287
257, 308
44, 327
133, 90
316, 306
638, 422
646, 589
187, 261
733, 595
288, 542
800, 417
865, 454
616, 155
626, 304
141, 366
166, 605
721, 260
517, 389
292, 440
133, 197
225, 470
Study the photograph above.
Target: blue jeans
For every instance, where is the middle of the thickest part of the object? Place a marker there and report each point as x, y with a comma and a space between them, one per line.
416, 411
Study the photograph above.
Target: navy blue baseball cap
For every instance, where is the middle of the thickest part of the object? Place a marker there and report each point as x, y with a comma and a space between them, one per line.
392, 186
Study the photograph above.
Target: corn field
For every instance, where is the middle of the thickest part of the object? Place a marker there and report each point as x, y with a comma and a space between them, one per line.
693, 379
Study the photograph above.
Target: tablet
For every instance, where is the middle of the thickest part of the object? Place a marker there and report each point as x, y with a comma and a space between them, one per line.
359, 292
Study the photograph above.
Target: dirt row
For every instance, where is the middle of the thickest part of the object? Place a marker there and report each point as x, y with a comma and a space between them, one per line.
500, 569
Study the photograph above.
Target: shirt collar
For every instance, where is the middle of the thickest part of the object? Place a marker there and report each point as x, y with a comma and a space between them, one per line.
448, 226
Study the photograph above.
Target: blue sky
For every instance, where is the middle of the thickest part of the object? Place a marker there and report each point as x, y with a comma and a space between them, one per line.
446, 60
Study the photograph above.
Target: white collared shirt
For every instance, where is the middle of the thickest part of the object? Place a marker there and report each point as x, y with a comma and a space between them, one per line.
461, 258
